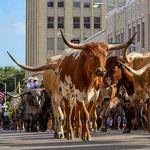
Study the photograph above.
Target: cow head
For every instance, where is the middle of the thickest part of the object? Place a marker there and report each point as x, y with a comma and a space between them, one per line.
95, 54
113, 69
94, 58
38, 97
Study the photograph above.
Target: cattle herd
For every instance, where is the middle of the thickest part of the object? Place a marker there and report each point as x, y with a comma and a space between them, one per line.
85, 86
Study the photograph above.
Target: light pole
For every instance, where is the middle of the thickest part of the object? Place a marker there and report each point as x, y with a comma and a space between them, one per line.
14, 78
5, 86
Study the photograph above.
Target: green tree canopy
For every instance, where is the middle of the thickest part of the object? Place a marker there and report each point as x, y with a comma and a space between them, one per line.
10, 76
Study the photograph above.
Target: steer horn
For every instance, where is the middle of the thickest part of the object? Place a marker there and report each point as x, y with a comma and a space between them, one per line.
28, 91
120, 46
70, 44
124, 57
136, 72
16, 96
51, 65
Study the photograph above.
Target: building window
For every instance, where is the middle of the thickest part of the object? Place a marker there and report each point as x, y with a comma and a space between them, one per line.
50, 43
50, 22
134, 48
61, 22
129, 34
87, 3
85, 38
121, 41
97, 23
60, 3
87, 22
133, 30
122, 37
50, 3
77, 41
117, 38
129, 37
109, 39
143, 34
60, 44
76, 22
76, 3
138, 32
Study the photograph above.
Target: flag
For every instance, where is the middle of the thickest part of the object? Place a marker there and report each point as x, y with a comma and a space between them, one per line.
2, 96
15, 102
17, 90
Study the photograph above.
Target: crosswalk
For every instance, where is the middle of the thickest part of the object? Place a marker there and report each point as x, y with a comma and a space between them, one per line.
11, 140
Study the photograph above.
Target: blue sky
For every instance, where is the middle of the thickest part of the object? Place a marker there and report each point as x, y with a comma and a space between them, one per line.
12, 31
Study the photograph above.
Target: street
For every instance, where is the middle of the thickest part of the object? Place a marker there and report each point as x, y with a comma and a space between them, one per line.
11, 140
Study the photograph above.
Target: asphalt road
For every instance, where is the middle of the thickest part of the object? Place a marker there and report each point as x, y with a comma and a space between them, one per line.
112, 140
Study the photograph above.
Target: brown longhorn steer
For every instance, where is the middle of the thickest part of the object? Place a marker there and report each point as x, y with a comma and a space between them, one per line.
76, 73
141, 80
121, 75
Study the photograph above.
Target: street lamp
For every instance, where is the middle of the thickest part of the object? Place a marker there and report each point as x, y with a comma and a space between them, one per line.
5, 86
105, 11
95, 5
114, 14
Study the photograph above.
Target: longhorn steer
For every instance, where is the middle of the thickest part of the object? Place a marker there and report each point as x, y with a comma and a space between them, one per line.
121, 75
141, 80
75, 76
32, 102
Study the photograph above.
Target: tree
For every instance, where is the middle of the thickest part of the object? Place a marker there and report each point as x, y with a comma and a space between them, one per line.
11, 75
